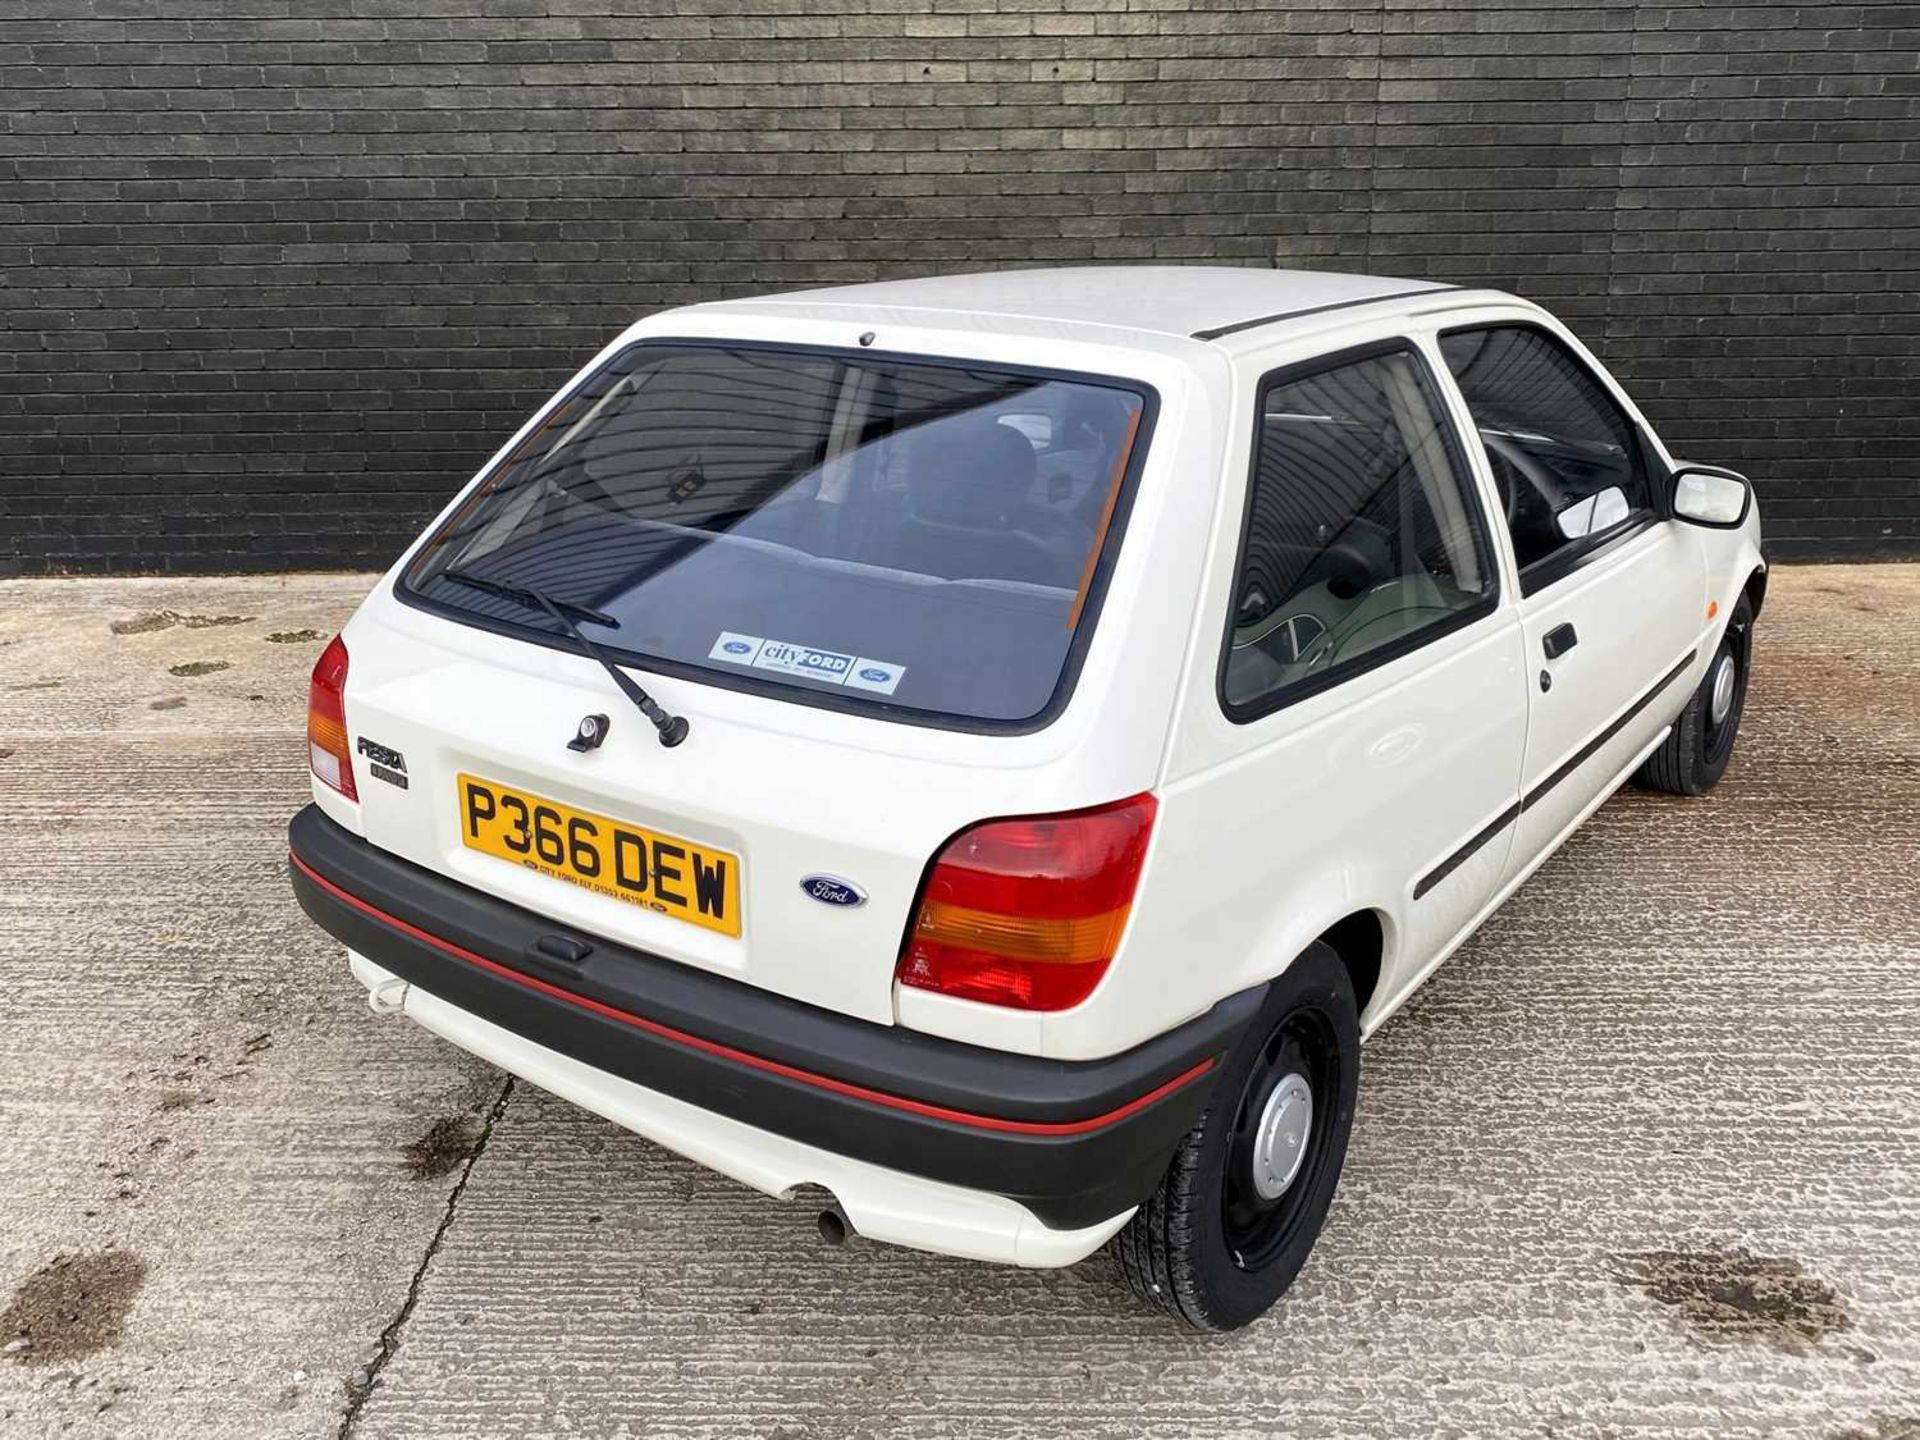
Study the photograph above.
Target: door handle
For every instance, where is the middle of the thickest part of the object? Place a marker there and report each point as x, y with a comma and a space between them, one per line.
1559, 640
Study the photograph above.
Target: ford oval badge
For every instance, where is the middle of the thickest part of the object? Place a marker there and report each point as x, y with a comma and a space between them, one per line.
832, 890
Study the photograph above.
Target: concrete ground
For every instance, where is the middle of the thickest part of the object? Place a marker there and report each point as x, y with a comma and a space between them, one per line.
1642, 1160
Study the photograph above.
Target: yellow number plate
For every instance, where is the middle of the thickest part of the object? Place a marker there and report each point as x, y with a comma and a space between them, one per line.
657, 872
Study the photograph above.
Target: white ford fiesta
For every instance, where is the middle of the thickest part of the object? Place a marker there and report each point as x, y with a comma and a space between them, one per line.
991, 747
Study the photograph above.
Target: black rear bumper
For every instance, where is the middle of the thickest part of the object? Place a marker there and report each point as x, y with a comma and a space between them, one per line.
1076, 1142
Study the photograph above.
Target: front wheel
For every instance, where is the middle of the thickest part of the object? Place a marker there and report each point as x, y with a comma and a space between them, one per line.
1231, 1222
1693, 757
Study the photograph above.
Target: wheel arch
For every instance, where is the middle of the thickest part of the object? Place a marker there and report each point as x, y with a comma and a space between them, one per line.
1360, 940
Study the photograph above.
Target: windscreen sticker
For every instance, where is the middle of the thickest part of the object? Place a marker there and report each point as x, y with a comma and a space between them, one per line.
735, 649
879, 675
832, 667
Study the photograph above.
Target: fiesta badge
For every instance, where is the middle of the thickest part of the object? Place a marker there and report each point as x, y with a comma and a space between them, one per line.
832, 890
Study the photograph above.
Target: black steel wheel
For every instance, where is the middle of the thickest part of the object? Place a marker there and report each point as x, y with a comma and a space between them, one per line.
1231, 1223
1693, 757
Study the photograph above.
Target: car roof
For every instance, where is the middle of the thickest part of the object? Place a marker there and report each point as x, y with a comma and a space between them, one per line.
1189, 301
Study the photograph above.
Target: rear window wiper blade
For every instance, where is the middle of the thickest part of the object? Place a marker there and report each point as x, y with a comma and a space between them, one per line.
526, 594
673, 728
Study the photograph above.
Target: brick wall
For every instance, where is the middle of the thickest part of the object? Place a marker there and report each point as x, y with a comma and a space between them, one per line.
276, 275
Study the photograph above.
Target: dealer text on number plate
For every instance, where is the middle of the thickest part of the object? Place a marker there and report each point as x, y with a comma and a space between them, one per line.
662, 873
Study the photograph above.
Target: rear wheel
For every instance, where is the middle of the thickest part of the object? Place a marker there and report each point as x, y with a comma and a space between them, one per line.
1693, 757
1231, 1222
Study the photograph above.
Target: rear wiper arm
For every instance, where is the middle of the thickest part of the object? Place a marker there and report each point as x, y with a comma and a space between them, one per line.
673, 728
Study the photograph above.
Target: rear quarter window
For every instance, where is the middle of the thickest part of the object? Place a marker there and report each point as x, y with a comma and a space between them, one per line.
1362, 539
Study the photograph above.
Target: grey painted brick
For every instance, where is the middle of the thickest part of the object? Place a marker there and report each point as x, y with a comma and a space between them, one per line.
276, 279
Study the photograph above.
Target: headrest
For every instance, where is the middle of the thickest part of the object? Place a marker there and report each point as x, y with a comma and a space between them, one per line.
971, 471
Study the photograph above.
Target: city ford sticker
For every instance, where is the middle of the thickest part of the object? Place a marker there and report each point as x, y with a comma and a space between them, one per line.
832, 667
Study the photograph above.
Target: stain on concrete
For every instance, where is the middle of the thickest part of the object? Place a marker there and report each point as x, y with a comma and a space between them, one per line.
167, 619
38, 685
176, 1099
143, 624
199, 667
1733, 1294
6, 752
172, 702
73, 1306
292, 637
443, 1148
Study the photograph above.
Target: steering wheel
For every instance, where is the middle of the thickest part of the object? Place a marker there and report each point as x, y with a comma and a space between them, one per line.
1511, 459
1319, 652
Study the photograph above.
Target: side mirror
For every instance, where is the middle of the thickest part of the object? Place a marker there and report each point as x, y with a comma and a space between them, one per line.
1706, 495
1600, 511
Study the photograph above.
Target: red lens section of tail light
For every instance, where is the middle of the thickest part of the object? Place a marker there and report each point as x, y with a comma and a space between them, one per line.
328, 751
1027, 913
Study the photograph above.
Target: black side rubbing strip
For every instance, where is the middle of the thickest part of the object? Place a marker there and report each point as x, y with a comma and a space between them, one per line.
1465, 853
1585, 752
1539, 792
1255, 323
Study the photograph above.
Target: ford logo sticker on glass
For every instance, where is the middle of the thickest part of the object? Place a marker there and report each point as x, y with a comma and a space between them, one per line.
832, 890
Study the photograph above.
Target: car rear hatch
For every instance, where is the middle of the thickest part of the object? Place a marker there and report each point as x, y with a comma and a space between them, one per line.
869, 585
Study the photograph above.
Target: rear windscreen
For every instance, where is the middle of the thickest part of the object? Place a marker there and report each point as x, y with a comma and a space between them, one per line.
869, 530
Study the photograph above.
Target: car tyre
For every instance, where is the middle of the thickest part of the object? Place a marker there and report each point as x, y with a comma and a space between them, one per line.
1693, 757
1211, 1246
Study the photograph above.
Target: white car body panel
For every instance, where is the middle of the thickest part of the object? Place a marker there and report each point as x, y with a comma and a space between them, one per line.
1268, 833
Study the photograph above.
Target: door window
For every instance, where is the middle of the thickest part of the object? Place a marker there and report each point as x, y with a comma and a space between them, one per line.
1565, 458
1361, 539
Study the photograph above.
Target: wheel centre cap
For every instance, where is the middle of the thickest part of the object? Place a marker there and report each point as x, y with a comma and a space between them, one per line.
1722, 701
1280, 1142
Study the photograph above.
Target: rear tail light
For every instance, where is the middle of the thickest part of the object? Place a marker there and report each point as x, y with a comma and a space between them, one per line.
327, 749
1027, 913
